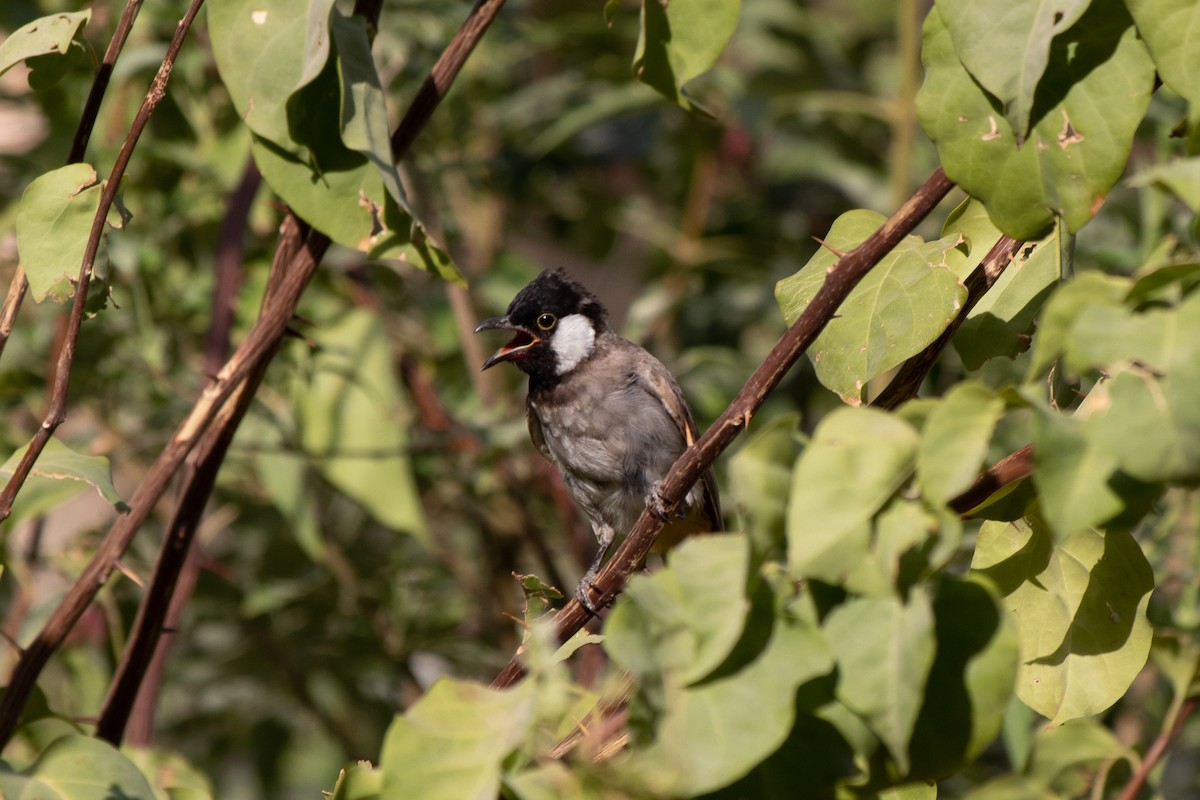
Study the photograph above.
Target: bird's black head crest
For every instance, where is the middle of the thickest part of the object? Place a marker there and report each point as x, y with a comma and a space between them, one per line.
553, 292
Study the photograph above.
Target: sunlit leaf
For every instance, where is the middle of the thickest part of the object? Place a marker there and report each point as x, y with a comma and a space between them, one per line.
1080, 609
901, 306
76, 767
954, 441
681, 40
59, 462
50, 35
1094, 94
54, 221
1171, 30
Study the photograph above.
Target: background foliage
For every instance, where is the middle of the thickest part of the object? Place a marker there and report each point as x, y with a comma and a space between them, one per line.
863, 637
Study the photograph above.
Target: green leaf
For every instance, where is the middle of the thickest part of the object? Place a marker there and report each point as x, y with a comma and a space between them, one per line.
884, 649
1180, 177
49, 35
1000, 322
59, 462
902, 305
857, 460
54, 221
358, 781
1064, 307
1171, 30
974, 672
712, 734
261, 51
1023, 32
76, 767
999, 541
1080, 610
1066, 758
759, 475
1012, 787
954, 441
364, 120
1094, 94
683, 620
453, 740
352, 420
170, 774
681, 40
1071, 474
549, 781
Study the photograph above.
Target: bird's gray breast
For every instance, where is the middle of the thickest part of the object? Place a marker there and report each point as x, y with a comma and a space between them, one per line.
610, 438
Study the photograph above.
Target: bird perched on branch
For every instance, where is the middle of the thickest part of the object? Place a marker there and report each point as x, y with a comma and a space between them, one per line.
604, 411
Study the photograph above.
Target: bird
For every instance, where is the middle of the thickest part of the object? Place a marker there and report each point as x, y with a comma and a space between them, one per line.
604, 411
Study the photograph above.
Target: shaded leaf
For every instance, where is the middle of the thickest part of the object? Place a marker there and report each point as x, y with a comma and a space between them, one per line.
1023, 32
1171, 30
884, 649
352, 421
1180, 177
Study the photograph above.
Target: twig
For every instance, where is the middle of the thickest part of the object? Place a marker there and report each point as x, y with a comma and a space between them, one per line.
909, 377
839, 281
66, 359
1010, 469
87, 120
1158, 750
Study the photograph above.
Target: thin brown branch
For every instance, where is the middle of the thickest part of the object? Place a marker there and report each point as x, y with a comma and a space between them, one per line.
434, 87
908, 379
1158, 750
83, 133
62, 378
1010, 469
839, 281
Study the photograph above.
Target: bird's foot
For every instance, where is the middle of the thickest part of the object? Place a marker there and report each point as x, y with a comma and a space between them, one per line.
658, 506
586, 584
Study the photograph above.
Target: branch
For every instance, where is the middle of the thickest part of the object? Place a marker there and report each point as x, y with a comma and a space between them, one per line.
908, 379
66, 359
87, 120
840, 279
1158, 750
1010, 469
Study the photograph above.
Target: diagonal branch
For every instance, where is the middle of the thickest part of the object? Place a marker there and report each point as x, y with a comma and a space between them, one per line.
841, 278
66, 357
87, 120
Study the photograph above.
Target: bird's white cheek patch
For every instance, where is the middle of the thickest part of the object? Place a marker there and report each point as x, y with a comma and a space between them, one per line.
572, 342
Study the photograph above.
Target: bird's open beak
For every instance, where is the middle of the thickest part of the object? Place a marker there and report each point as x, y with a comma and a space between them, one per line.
515, 350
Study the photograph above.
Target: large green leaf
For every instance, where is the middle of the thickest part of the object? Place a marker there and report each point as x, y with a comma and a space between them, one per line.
76, 767
452, 741
54, 221
681, 40
1171, 30
353, 421
1072, 475
902, 305
50, 35
855, 462
1094, 94
1023, 32
759, 475
1080, 609
1064, 307
884, 649
712, 734
683, 621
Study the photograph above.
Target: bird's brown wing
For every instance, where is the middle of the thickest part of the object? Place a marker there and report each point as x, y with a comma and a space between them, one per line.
658, 381
535, 432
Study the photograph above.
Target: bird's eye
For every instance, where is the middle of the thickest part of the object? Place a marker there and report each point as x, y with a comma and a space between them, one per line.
546, 321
